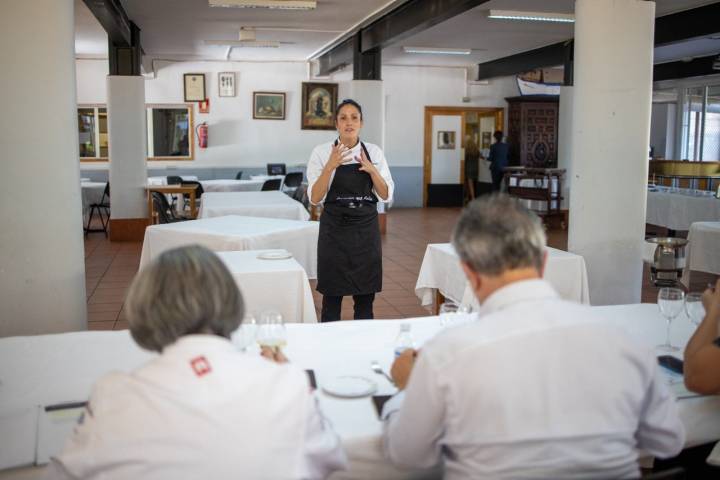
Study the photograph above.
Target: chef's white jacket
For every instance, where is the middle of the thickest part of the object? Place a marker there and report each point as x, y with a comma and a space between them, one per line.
202, 410
321, 154
537, 387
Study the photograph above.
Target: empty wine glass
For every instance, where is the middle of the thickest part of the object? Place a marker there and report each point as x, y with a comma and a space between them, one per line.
694, 307
670, 302
244, 336
271, 331
448, 313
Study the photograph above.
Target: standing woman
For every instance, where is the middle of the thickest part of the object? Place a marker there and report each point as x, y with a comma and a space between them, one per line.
349, 177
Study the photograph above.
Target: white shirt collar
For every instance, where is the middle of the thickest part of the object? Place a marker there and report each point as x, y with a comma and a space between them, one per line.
513, 293
200, 342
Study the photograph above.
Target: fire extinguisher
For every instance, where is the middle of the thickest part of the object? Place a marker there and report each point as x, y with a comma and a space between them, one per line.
202, 134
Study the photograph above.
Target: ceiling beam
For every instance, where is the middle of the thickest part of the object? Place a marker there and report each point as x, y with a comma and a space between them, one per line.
697, 67
682, 26
669, 29
411, 18
114, 19
364, 45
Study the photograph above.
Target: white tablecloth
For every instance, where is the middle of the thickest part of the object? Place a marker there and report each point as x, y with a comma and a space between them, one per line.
92, 192
229, 185
263, 178
677, 211
49, 369
441, 270
274, 204
163, 180
703, 251
234, 233
261, 280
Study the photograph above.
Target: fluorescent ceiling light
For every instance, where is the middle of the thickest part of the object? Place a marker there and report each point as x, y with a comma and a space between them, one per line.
278, 4
532, 16
438, 51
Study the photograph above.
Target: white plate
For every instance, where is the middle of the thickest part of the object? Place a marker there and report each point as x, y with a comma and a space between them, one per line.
276, 255
350, 387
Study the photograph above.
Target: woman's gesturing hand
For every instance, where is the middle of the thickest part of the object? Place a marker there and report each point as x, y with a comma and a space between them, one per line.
339, 155
365, 164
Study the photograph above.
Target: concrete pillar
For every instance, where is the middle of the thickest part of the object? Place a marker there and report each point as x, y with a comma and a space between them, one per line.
565, 126
370, 94
610, 134
128, 169
42, 266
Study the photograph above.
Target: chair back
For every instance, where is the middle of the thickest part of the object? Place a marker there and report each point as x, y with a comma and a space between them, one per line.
105, 200
174, 180
162, 207
293, 179
300, 194
239, 175
276, 169
273, 184
199, 188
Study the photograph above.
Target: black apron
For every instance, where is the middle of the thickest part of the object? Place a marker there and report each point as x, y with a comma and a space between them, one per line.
349, 247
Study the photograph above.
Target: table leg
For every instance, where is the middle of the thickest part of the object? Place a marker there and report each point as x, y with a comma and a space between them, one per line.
193, 208
151, 209
439, 300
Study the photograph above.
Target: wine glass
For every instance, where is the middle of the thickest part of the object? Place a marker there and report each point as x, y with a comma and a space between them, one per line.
244, 336
271, 331
670, 302
694, 307
448, 313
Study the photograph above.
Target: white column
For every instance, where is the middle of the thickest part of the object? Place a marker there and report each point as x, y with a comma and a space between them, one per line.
127, 132
565, 136
610, 135
42, 266
370, 94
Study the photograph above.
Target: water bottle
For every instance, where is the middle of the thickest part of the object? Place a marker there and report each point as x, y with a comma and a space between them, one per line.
404, 340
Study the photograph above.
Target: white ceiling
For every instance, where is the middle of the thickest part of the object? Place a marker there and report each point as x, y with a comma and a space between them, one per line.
176, 29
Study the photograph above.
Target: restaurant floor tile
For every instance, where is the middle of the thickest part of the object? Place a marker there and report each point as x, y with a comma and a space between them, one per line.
110, 267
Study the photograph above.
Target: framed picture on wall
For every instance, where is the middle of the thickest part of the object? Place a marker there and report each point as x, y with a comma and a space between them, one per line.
226, 84
486, 140
269, 105
194, 87
318, 106
446, 140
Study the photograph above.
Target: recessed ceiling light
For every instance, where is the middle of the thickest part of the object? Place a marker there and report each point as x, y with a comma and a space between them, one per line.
532, 16
278, 4
438, 51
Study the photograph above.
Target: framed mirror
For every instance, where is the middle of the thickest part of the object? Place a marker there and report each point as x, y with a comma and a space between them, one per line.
170, 132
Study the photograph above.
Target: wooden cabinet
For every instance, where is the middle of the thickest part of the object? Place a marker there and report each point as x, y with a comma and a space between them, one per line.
533, 130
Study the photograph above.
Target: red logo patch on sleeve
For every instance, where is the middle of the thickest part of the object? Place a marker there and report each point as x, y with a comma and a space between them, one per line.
200, 366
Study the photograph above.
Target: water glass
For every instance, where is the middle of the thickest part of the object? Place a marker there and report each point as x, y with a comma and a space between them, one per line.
670, 303
245, 335
448, 313
271, 331
694, 307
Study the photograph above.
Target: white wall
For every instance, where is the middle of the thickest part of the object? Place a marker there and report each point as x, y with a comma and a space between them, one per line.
238, 140
662, 129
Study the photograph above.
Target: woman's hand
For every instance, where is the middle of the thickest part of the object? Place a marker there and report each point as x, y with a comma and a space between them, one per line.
365, 164
339, 155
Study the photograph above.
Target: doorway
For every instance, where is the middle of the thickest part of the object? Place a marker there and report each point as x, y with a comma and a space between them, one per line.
447, 133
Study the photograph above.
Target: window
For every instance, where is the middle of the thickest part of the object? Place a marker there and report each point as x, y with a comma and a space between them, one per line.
92, 133
701, 124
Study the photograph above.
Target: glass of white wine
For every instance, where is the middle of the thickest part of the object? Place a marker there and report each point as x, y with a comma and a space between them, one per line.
271, 331
694, 307
670, 303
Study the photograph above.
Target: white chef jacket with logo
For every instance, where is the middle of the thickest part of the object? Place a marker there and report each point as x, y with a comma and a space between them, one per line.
537, 387
202, 410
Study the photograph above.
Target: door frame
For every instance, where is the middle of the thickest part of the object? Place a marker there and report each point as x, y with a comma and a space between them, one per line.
498, 112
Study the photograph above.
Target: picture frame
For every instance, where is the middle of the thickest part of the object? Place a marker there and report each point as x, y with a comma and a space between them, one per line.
319, 101
269, 105
446, 140
226, 84
194, 87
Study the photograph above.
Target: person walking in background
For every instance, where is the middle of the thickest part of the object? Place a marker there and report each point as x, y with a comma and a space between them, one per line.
472, 169
498, 159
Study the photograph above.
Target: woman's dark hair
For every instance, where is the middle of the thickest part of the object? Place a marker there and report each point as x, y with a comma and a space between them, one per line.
498, 135
348, 101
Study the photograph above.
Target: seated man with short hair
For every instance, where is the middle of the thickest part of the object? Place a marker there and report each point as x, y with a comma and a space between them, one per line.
536, 387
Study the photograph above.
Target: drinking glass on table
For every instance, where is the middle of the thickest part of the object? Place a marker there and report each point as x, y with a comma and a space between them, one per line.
694, 307
271, 331
448, 313
670, 302
244, 336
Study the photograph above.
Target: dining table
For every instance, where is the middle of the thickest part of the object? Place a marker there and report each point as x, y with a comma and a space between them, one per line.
271, 204
44, 380
678, 208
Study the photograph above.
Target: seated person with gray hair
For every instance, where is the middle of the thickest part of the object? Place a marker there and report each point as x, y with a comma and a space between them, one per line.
536, 386
202, 408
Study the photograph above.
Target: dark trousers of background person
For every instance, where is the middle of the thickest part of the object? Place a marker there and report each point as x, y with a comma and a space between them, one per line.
331, 307
497, 178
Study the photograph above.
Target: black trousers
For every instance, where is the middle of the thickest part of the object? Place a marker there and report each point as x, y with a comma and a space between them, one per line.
363, 308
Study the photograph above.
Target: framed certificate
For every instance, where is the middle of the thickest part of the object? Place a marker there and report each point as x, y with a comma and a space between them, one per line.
194, 87
226, 84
